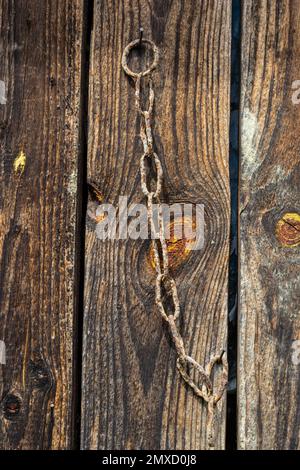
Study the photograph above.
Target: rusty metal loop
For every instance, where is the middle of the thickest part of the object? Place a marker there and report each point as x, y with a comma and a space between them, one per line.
219, 359
159, 175
164, 281
172, 292
147, 113
131, 46
177, 339
206, 390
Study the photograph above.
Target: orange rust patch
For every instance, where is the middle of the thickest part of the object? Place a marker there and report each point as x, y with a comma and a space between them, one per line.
288, 230
178, 246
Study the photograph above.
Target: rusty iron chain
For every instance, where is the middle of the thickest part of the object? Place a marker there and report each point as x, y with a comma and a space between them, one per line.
164, 281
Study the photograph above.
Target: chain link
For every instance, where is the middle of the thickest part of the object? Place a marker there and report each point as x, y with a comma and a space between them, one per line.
164, 281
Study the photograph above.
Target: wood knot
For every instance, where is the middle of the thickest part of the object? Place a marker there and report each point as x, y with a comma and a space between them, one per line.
178, 245
11, 406
288, 230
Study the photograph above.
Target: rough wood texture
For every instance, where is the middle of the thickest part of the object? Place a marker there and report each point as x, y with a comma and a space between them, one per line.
40, 65
133, 396
269, 385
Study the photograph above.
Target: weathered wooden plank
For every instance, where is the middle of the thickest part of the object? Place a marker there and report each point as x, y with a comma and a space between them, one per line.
269, 322
40, 65
133, 396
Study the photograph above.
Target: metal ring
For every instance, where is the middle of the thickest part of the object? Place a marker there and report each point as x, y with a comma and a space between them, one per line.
174, 294
131, 46
221, 359
159, 170
206, 387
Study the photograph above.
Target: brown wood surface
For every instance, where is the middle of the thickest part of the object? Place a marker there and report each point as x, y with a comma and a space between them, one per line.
40, 63
268, 382
133, 396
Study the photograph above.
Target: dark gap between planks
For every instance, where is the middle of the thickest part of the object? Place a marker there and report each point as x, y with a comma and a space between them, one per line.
82, 207
231, 419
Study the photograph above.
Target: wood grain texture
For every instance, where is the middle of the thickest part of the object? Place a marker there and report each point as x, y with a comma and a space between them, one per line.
269, 321
133, 396
40, 63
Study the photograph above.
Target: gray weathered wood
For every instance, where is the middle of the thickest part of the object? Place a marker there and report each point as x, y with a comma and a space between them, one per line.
269, 320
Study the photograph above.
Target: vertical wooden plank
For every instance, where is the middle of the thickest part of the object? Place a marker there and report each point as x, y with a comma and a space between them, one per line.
40, 65
133, 396
269, 385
